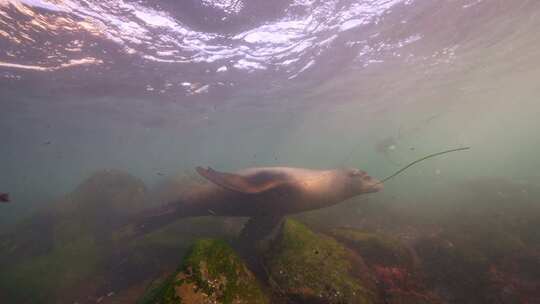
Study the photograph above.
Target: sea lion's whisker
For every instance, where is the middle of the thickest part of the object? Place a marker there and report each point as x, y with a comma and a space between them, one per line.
419, 160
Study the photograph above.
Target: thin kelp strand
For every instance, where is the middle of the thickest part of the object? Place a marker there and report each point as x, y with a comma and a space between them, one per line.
421, 159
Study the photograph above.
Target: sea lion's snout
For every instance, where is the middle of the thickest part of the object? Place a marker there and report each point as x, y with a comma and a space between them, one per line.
371, 184
361, 182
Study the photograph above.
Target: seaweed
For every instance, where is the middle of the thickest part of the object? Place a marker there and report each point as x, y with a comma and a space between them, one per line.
312, 268
211, 271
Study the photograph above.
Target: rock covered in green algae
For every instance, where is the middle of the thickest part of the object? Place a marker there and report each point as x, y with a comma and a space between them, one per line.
375, 248
211, 273
306, 267
392, 263
79, 246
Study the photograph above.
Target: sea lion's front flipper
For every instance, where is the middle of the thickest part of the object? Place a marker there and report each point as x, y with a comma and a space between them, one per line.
255, 238
256, 183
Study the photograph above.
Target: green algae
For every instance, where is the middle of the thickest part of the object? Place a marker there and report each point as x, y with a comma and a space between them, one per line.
312, 268
375, 248
211, 273
158, 292
77, 256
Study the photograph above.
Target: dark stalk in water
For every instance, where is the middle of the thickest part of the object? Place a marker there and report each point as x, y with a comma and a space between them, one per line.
421, 159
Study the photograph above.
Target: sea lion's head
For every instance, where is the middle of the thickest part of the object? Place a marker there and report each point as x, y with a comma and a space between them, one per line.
358, 182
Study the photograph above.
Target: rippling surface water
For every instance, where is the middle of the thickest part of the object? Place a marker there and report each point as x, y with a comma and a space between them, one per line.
193, 67
155, 88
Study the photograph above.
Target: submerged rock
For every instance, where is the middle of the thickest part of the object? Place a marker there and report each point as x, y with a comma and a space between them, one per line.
397, 285
392, 263
211, 273
78, 243
459, 274
517, 279
375, 248
66, 242
105, 198
306, 267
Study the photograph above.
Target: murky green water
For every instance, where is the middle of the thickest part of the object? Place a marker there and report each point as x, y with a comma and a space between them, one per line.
368, 84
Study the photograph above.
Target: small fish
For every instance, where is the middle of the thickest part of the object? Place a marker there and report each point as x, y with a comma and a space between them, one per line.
46, 143
4, 197
211, 212
160, 174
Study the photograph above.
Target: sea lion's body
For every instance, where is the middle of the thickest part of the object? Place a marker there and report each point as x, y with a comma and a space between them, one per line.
265, 193
299, 190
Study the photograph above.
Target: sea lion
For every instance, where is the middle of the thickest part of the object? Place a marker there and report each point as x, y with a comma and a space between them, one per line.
266, 194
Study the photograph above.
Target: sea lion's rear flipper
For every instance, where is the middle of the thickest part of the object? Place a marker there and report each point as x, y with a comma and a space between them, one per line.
255, 183
155, 218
